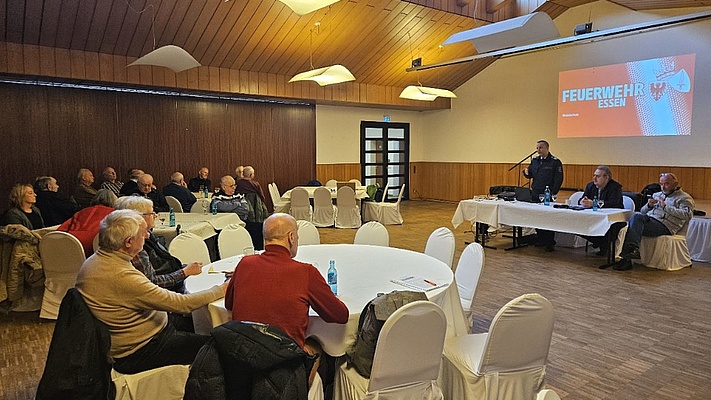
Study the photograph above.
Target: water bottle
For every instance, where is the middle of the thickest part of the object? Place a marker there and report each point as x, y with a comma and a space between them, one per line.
206, 192
547, 197
213, 207
332, 277
171, 217
595, 203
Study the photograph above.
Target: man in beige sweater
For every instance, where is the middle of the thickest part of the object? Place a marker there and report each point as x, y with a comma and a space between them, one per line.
133, 308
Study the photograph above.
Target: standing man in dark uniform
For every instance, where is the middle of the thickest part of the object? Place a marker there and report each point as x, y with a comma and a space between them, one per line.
545, 170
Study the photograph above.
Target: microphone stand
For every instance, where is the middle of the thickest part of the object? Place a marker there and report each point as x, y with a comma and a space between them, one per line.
518, 164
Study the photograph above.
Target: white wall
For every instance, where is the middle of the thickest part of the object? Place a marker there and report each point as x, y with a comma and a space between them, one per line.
501, 112
338, 132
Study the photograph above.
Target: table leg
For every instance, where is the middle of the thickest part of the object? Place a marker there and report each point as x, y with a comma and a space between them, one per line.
481, 235
515, 238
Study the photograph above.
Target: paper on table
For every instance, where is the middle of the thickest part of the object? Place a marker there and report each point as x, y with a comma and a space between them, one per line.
212, 270
418, 283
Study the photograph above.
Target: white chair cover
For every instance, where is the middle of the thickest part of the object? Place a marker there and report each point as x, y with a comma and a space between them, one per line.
324, 210
371, 209
509, 361
197, 208
232, 241
628, 204
308, 234
166, 383
95, 243
407, 358
440, 245
574, 198
331, 183
373, 233
390, 212
668, 252
62, 255
174, 204
347, 211
356, 181
300, 206
189, 247
280, 206
547, 394
467, 275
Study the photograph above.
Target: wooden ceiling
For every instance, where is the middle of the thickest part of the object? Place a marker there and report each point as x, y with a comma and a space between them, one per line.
375, 39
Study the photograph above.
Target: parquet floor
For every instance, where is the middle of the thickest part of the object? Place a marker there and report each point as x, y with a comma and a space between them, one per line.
640, 334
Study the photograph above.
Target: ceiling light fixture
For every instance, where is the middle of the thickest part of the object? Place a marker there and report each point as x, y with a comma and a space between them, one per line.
303, 7
424, 93
324, 75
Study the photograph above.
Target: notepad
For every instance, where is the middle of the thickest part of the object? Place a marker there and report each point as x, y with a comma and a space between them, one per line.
418, 283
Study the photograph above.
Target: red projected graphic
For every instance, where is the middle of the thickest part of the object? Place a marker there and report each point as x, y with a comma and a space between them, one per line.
639, 98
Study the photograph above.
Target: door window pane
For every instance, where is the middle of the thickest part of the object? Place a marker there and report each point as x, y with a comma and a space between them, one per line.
373, 133
396, 145
373, 170
396, 133
396, 157
396, 169
371, 145
373, 158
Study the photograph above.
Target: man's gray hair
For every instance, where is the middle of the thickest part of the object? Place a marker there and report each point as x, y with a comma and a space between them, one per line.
226, 179
606, 170
42, 183
118, 226
670, 174
177, 177
82, 173
104, 197
136, 203
248, 171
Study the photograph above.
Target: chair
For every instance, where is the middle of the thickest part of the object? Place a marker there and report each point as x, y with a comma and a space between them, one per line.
389, 213
407, 358
197, 207
575, 198
95, 243
62, 255
280, 206
174, 204
628, 203
467, 275
371, 209
509, 361
160, 383
324, 210
440, 245
547, 394
347, 211
331, 183
300, 206
232, 241
189, 247
372, 233
667, 252
356, 181
308, 234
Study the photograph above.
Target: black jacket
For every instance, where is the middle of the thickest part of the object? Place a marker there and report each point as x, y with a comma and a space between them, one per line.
128, 188
611, 194
77, 362
55, 207
545, 172
181, 194
249, 361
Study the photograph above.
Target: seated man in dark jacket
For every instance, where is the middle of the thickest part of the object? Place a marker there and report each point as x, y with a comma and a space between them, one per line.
146, 189
54, 206
604, 188
179, 189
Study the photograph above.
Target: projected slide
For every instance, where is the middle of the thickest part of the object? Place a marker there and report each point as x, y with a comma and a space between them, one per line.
638, 98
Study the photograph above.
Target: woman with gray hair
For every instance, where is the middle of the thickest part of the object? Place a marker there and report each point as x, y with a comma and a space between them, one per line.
84, 224
172, 271
23, 210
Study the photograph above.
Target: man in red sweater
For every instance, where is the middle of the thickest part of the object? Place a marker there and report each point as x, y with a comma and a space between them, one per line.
273, 288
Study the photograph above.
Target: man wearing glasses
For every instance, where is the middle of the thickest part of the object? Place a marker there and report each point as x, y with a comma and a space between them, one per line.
609, 191
146, 189
665, 213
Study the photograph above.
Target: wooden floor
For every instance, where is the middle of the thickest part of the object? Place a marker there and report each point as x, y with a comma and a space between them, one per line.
640, 334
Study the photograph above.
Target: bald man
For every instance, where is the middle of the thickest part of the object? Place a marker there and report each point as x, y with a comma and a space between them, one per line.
275, 289
148, 190
179, 189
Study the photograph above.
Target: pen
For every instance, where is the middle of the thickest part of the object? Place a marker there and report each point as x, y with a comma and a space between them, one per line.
430, 282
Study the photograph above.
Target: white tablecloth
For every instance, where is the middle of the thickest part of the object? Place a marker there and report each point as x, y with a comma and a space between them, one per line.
203, 225
698, 238
536, 215
363, 272
360, 192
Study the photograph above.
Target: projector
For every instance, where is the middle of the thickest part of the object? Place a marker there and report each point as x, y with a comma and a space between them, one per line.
582, 28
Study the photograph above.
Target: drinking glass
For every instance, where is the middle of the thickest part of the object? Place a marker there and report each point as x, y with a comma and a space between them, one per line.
554, 197
600, 203
204, 207
162, 219
541, 197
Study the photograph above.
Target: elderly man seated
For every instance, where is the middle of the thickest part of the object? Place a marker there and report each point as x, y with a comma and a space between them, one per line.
665, 213
147, 190
83, 191
179, 189
604, 188
130, 187
131, 306
300, 286
110, 181
200, 182
54, 206
226, 200
247, 184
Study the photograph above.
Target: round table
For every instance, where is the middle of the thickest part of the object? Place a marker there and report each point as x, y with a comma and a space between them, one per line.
363, 272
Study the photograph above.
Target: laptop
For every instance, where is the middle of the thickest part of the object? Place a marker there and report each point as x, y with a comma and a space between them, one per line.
522, 194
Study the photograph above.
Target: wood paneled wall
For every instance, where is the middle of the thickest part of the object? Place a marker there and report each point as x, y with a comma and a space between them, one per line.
31, 60
55, 131
456, 181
